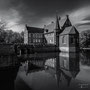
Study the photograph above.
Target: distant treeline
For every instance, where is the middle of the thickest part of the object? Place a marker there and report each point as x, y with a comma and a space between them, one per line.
85, 39
9, 36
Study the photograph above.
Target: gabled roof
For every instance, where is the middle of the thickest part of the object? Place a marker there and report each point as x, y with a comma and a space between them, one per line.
34, 29
72, 74
67, 23
70, 30
51, 27
62, 21
80, 27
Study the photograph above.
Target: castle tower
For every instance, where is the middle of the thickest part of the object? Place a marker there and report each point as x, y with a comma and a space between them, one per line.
57, 31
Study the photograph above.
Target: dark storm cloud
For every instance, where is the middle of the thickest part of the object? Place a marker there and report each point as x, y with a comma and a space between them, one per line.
39, 12
34, 10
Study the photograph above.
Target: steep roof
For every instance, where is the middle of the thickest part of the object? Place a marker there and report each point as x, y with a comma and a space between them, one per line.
34, 29
69, 30
62, 21
52, 26
67, 22
57, 23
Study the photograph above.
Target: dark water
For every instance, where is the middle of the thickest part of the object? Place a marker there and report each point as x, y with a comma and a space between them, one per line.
51, 71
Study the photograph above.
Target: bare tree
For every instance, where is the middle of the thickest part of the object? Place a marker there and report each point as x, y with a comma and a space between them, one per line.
9, 36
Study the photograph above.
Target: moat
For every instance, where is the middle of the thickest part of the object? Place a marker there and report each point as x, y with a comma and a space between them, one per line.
49, 71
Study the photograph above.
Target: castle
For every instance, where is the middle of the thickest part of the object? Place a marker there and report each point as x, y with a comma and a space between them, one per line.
61, 33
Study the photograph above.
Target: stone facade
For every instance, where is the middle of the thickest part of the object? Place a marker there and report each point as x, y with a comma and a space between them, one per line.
60, 33
52, 32
50, 38
33, 35
25, 36
69, 40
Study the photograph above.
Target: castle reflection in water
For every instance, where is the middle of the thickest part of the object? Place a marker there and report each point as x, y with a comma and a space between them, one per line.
63, 67
53, 71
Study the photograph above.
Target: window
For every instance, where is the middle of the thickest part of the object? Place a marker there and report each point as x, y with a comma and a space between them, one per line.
41, 40
77, 40
65, 64
29, 34
51, 40
33, 35
36, 35
72, 39
34, 40
29, 40
38, 40
40, 35
63, 39
46, 30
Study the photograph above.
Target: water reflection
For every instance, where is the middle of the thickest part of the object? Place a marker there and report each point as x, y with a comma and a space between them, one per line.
7, 78
69, 65
47, 71
50, 70
85, 58
66, 66
9, 66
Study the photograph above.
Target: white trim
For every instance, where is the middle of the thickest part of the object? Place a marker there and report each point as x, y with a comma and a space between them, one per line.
64, 54
64, 49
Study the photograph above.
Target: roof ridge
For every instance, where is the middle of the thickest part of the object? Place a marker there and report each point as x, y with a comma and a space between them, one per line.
34, 27
69, 30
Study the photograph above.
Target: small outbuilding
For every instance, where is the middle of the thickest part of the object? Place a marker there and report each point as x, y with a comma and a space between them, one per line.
69, 40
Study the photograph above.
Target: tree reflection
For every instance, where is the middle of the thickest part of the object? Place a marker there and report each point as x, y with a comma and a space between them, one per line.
7, 78
85, 58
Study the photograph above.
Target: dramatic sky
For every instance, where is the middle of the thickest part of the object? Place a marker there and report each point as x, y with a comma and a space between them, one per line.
38, 13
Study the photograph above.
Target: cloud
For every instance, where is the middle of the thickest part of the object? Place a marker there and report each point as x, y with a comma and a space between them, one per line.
17, 13
12, 19
18, 28
43, 21
80, 15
